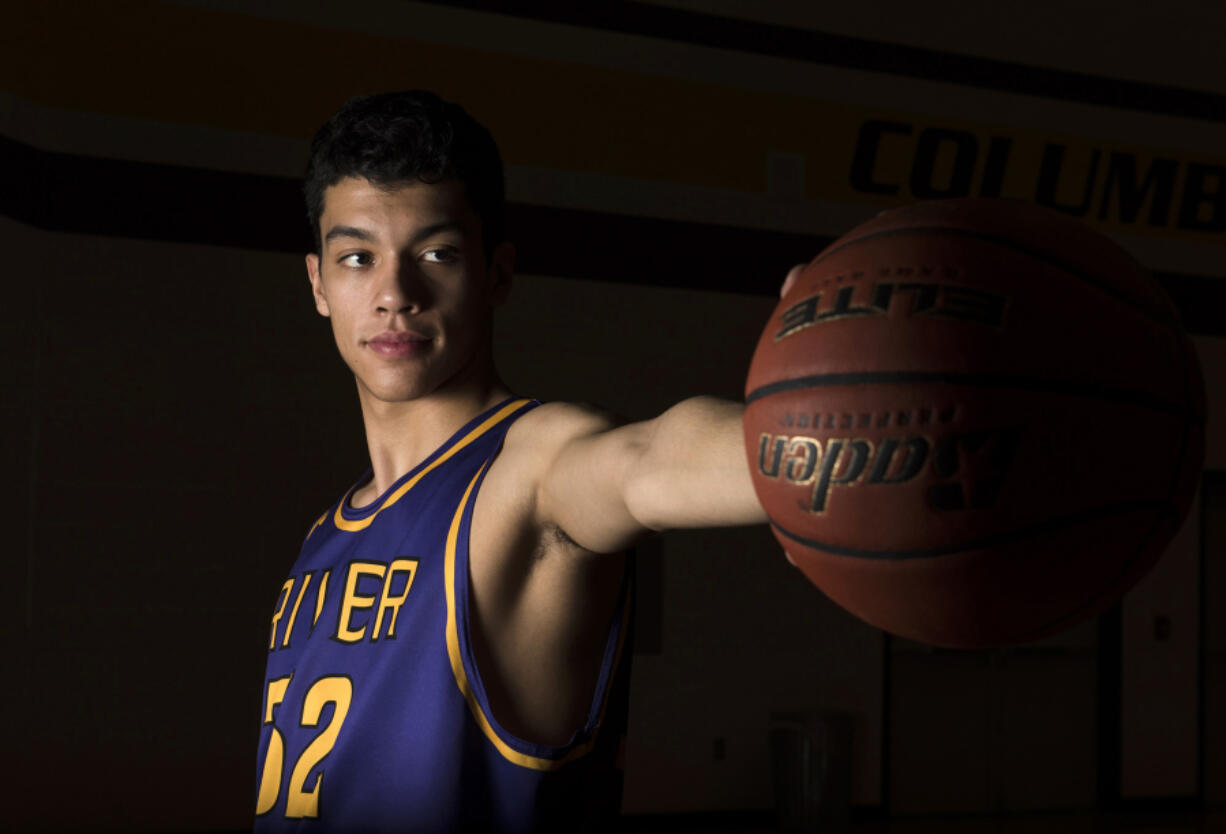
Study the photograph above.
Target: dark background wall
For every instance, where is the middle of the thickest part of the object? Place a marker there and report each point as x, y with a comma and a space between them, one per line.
175, 416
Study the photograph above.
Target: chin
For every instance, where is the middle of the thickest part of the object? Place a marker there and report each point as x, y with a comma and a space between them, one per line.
398, 393
408, 382
394, 388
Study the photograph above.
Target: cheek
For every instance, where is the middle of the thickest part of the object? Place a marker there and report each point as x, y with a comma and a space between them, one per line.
471, 319
342, 303
342, 330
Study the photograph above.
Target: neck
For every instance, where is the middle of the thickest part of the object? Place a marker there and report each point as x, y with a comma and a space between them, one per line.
401, 435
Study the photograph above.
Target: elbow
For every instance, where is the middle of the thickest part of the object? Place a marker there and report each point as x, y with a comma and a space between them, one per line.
643, 488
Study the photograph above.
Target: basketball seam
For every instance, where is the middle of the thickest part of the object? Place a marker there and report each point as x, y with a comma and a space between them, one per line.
1111, 588
1039, 254
1073, 387
1048, 526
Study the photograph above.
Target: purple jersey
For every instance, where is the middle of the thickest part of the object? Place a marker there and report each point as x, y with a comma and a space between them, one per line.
374, 715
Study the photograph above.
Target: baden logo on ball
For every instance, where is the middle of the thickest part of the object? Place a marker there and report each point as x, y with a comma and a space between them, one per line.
942, 418
896, 460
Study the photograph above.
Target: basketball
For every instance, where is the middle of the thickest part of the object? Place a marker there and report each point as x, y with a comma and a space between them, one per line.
975, 422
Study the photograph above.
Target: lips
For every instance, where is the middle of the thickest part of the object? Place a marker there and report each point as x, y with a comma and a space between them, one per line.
396, 344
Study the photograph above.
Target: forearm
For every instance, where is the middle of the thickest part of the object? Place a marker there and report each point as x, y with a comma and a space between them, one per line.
692, 470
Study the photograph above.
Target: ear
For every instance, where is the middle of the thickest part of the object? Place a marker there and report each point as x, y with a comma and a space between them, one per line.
317, 285
501, 272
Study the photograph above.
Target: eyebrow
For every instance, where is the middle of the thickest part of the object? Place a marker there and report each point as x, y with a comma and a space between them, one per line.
358, 233
348, 231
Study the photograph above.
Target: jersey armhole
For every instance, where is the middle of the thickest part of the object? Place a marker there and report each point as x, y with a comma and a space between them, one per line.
467, 675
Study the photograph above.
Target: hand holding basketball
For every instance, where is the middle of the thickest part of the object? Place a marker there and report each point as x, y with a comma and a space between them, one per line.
974, 422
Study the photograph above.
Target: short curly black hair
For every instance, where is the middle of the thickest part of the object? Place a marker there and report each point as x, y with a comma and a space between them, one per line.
414, 135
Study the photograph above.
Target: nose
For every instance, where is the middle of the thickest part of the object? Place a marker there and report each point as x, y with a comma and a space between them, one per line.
402, 289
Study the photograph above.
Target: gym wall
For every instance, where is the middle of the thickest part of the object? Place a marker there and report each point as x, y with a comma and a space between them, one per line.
177, 417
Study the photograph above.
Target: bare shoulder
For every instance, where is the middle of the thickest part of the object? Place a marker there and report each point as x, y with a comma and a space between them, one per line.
576, 457
561, 470
543, 439
553, 425
516, 526
534, 444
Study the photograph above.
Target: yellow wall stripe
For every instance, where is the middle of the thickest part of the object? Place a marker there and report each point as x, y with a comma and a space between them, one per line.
343, 523
279, 78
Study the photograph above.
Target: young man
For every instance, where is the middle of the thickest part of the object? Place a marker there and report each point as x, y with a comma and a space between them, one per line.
449, 650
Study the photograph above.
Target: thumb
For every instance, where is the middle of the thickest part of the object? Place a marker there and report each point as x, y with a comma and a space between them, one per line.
790, 280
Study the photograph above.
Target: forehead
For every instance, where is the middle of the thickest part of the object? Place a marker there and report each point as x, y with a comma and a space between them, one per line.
355, 201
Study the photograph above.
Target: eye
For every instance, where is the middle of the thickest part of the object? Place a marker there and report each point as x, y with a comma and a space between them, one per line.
441, 255
356, 259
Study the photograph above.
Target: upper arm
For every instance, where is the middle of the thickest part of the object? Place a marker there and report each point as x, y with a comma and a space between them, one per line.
606, 484
586, 457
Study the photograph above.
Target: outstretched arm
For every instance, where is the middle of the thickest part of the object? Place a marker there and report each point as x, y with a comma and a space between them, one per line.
605, 486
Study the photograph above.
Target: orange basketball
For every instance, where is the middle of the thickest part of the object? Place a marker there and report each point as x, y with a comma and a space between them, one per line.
974, 422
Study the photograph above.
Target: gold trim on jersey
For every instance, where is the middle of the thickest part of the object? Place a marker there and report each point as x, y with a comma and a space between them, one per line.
343, 523
461, 676
315, 526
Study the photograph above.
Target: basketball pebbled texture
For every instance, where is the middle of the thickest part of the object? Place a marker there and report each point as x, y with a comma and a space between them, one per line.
974, 422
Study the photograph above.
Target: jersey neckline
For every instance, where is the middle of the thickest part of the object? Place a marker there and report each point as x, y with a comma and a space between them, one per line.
347, 517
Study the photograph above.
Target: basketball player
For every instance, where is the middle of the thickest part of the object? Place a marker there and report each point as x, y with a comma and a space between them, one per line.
449, 651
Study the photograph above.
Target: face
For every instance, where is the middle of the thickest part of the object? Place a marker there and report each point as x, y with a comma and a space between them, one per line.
403, 278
